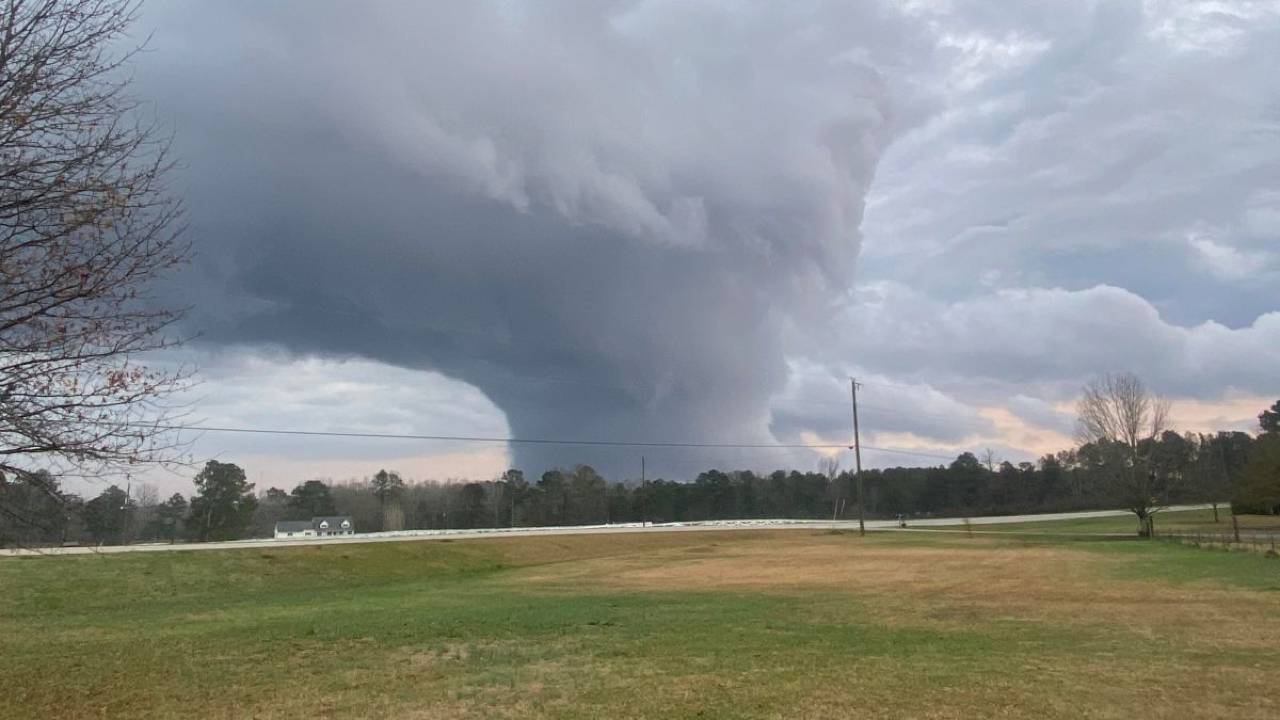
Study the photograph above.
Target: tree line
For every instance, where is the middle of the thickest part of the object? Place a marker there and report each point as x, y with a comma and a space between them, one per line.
1233, 466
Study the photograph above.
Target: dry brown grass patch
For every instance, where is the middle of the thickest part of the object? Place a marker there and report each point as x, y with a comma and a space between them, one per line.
950, 584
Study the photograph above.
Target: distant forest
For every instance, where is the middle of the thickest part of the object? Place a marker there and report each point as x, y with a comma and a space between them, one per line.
1235, 467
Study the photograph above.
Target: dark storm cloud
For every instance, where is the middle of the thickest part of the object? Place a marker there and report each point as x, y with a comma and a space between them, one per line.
598, 214
640, 220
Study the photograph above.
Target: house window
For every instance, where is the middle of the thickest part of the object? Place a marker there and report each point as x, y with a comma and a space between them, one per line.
324, 524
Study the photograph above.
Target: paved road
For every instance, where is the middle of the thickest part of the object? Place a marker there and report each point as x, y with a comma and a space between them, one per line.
411, 535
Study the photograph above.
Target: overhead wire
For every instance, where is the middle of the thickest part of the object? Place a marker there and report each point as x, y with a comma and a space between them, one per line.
538, 441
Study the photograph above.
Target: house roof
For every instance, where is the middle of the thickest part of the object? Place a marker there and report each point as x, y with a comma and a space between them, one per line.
293, 525
335, 521
335, 524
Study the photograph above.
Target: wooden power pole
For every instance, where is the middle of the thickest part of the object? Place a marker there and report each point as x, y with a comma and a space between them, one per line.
857, 458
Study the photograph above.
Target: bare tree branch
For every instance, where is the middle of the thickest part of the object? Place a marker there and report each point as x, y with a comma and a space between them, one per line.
86, 225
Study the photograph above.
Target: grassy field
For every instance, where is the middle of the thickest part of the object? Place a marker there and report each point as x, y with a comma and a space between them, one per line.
771, 624
1181, 520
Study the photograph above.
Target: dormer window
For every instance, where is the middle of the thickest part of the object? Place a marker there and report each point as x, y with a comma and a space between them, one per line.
346, 524
324, 524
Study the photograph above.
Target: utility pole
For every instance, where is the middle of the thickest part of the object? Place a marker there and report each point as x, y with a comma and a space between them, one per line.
644, 496
857, 458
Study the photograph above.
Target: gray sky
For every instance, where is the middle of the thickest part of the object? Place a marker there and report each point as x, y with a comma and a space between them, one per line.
674, 221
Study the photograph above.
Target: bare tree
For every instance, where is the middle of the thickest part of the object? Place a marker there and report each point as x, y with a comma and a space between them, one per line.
989, 459
830, 467
146, 501
1123, 420
86, 226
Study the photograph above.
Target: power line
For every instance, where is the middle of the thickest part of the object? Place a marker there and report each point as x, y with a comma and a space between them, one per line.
496, 439
895, 385
908, 452
539, 441
883, 410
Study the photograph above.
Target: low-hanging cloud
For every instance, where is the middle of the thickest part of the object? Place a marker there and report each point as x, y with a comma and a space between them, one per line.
808, 404
1046, 337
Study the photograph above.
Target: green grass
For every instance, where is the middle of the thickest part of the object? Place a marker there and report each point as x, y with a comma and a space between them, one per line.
743, 624
1178, 565
1182, 520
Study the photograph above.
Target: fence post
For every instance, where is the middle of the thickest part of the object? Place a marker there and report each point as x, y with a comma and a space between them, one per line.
1235, 526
